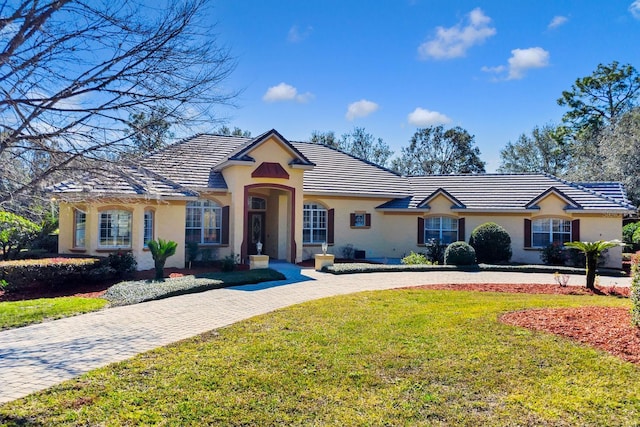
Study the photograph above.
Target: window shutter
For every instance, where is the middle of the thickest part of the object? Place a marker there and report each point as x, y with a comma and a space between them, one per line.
575, 230
421, 231
352, 220
225, 226
527, 233
461, 231
367, 220
330, 232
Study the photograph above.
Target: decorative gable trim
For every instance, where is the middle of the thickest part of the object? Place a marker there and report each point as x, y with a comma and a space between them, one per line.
270, 170
457, 204
571, 204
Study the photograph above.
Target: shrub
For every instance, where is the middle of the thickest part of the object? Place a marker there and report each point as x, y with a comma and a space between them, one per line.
459, 253
415, 259
348, 251
435, 251
229, 262
635, 290
491, 243
123, 263
636, 237
50, 271
628, 232
16, 233
554, 254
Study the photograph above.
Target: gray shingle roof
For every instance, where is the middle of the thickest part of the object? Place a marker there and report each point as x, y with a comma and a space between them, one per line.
503, 192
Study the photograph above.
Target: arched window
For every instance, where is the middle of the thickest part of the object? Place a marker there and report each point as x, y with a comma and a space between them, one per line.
441, 228
115, 229
203, 222
546, 231
314, 223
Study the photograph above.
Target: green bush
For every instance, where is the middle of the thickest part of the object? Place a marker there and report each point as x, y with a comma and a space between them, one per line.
636, 237
491, 242
161, 250
123, 263
459, 253
229, 262
627, 236
415, 259
635, 290
16, 233
53, 272
554, 254
435, 251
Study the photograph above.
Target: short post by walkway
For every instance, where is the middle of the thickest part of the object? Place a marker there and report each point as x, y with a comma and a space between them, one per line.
323, 260
258, 261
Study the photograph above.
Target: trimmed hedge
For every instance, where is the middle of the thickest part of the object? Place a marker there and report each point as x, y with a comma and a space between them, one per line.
459, 253
352, 268
133, 292
491, 242
50, 271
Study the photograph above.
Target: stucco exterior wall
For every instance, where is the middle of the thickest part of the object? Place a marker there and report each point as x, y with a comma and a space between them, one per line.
166, 216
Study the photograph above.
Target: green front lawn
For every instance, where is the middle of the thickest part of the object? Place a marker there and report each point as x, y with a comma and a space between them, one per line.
402, 357
21, 313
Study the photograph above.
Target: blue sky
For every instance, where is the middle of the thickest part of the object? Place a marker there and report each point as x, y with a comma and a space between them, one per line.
494, 68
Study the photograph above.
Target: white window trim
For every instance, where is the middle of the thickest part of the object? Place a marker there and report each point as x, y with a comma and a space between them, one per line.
130, 228
550, 233
441, 229
75, 229
311, 208
206, 205
152, 214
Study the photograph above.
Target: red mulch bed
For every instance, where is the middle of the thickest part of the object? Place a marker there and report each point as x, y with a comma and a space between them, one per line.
605, 328
96, 290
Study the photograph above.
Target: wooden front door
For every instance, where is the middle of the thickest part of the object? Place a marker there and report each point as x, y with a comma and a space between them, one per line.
257, 228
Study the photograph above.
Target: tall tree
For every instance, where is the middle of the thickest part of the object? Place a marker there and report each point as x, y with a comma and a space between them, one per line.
601, 98
72, 72
434, 150
541, 151
149, 131
325, 138
364, 145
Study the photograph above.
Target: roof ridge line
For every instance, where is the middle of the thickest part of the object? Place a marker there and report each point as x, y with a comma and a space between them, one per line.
580, 187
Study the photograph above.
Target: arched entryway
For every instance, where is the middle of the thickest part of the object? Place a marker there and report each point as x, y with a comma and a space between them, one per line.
269, 217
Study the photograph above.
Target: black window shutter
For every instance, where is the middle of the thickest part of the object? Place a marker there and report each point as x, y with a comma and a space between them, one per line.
367, 220
352, 220
330, 232
527, 233
421, 231
461, 231
575, 230
225, 226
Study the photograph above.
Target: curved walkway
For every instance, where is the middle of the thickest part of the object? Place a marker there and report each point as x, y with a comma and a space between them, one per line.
39, 356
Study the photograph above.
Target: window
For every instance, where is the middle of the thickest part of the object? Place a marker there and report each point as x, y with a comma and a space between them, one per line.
204, 222
359, 220
115, 229
314, 223
550, 230
442, 228
148, 227
257, 204
79, 228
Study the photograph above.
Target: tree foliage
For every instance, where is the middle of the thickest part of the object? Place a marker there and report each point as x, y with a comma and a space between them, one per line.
541, 151
149, 131
73, 72
434, 150
15, 234
236, 131
358, 143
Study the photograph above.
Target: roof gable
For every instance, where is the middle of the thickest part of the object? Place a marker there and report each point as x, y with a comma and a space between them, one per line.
457, 204
571, 204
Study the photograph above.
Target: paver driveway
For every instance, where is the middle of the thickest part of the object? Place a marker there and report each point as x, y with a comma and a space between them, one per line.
36, 357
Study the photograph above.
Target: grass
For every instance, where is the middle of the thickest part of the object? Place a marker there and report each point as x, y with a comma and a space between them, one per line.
403, 357
22, 313
133, 292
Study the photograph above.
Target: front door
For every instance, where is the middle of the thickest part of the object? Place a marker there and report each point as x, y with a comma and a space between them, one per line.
256, 232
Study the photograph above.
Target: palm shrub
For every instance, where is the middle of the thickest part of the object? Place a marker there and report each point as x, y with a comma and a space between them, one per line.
592, 251
491, 242
459, 253
635, 290
161, 250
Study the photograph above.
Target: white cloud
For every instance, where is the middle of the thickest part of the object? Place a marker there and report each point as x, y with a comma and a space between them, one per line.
634, 8
558, 21
296, 36
285, 92
361, 108
454, 42
423, 117
520, 62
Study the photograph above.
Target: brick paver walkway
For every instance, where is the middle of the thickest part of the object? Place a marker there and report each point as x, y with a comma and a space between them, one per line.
36, 357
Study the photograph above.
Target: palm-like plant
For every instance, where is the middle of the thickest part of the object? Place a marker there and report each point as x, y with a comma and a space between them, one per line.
592, 251
161, 250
